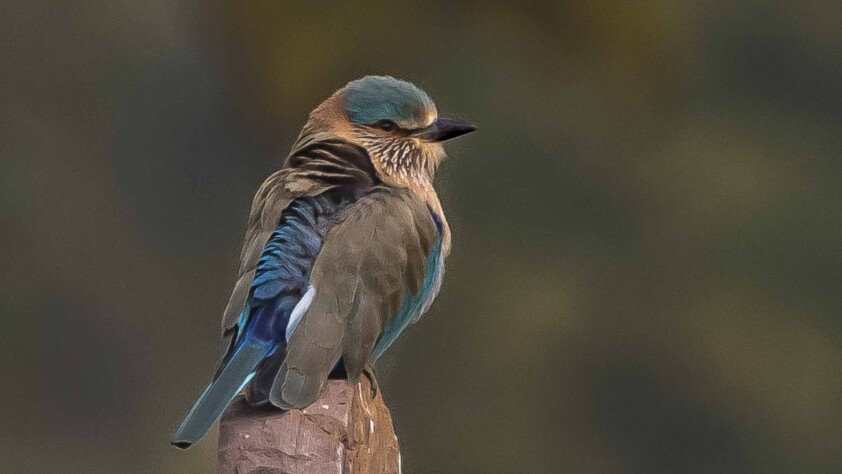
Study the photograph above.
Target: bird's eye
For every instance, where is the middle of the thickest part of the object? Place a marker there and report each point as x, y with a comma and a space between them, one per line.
386, 125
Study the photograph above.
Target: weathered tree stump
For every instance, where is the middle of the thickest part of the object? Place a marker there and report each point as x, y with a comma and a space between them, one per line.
347, 430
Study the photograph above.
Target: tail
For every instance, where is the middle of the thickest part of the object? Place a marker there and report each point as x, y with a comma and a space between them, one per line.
237, 372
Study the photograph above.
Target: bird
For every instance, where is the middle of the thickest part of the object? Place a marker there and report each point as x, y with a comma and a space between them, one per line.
344, 248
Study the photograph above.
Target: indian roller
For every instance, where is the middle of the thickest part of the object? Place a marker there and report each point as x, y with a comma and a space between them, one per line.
344, 249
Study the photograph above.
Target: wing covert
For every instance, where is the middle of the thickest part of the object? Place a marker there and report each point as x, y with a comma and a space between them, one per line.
378, 253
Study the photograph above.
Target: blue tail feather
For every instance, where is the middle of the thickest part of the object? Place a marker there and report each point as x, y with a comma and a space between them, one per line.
281, 278
230, 381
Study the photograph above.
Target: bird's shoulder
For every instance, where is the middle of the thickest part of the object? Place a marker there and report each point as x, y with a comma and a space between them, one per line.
389, 230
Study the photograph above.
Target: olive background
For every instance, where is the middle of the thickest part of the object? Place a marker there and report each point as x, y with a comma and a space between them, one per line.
647, 225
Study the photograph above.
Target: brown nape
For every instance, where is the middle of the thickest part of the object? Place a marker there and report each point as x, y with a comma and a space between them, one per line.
333, 156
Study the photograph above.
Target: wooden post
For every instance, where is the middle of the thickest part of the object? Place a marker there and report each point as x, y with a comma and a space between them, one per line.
347, 430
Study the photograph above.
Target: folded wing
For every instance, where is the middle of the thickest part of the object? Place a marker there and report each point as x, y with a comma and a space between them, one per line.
373, 273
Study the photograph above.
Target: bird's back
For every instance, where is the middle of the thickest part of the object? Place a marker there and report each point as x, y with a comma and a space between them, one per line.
317, 165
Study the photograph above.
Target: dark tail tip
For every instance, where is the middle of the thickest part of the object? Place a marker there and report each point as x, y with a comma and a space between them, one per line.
181, 444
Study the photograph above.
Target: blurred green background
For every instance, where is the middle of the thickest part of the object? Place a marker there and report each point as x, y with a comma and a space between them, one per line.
647, 228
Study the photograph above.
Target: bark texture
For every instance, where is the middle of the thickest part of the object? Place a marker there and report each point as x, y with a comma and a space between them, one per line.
347, 430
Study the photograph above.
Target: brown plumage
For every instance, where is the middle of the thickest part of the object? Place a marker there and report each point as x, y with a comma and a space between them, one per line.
366, 259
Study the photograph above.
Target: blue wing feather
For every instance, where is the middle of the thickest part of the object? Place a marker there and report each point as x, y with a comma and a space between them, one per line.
283, 271
282, 277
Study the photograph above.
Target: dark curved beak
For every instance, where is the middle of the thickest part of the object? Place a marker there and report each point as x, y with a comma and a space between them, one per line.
444, 129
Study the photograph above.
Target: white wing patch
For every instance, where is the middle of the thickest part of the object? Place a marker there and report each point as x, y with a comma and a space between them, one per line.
299, 310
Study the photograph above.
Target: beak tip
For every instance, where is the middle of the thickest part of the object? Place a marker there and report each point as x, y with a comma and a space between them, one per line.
447, 129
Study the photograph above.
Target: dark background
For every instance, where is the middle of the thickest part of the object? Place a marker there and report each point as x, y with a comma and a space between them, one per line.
647, 228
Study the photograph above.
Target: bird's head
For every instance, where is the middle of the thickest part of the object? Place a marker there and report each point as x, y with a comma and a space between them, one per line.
395, 121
